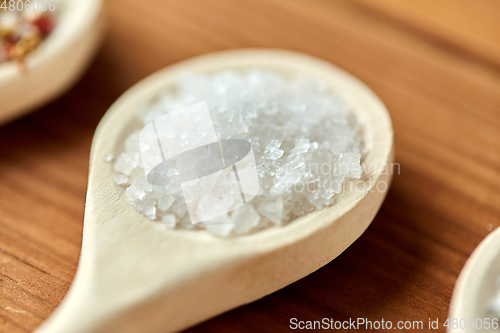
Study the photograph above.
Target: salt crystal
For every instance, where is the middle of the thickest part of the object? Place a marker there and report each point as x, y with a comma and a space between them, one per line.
298, 211
186, 223
169, 220
273, 209
306, 206
179, 209
301, 146
120, 179
208, 206
125, 164
146, 186
272, 151
149, 209
296, 160
172, 172
245, 219
165, 202
221, 225
228, 198
109, 158
349, 165
208, 183
132, 142
135, 192
330, 187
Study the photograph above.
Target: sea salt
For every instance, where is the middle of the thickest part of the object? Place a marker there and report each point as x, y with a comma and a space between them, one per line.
272, 151
306, 143
179, 208
125, 163
149, 209
169, 220
135, 193
245, 219
222, 225
301, 146
165, 202
272, 209
120, 179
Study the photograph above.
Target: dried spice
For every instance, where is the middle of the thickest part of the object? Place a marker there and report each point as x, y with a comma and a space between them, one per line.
21, 32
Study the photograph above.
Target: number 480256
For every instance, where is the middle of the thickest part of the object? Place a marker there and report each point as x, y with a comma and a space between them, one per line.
35, 5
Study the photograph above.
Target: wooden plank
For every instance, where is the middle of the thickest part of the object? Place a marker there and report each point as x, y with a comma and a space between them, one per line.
470, 26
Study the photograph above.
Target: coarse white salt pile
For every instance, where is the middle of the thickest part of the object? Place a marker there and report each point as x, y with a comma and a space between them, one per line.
305, 140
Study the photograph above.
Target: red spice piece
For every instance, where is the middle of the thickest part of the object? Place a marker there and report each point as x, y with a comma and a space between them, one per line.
8, 45
45, 24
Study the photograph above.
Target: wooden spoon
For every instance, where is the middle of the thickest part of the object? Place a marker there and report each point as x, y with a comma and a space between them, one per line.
57, 63
476, 286
136, 276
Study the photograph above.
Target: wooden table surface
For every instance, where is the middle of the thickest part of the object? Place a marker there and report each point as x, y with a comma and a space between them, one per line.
436, 65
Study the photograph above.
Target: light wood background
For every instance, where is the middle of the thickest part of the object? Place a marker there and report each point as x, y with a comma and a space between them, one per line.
436, 65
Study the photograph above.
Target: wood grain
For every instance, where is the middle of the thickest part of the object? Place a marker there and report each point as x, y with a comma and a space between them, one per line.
465, 25
444, 101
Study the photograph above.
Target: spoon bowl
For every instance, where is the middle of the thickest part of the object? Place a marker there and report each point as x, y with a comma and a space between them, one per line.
56, 64
476, 286
134, 275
